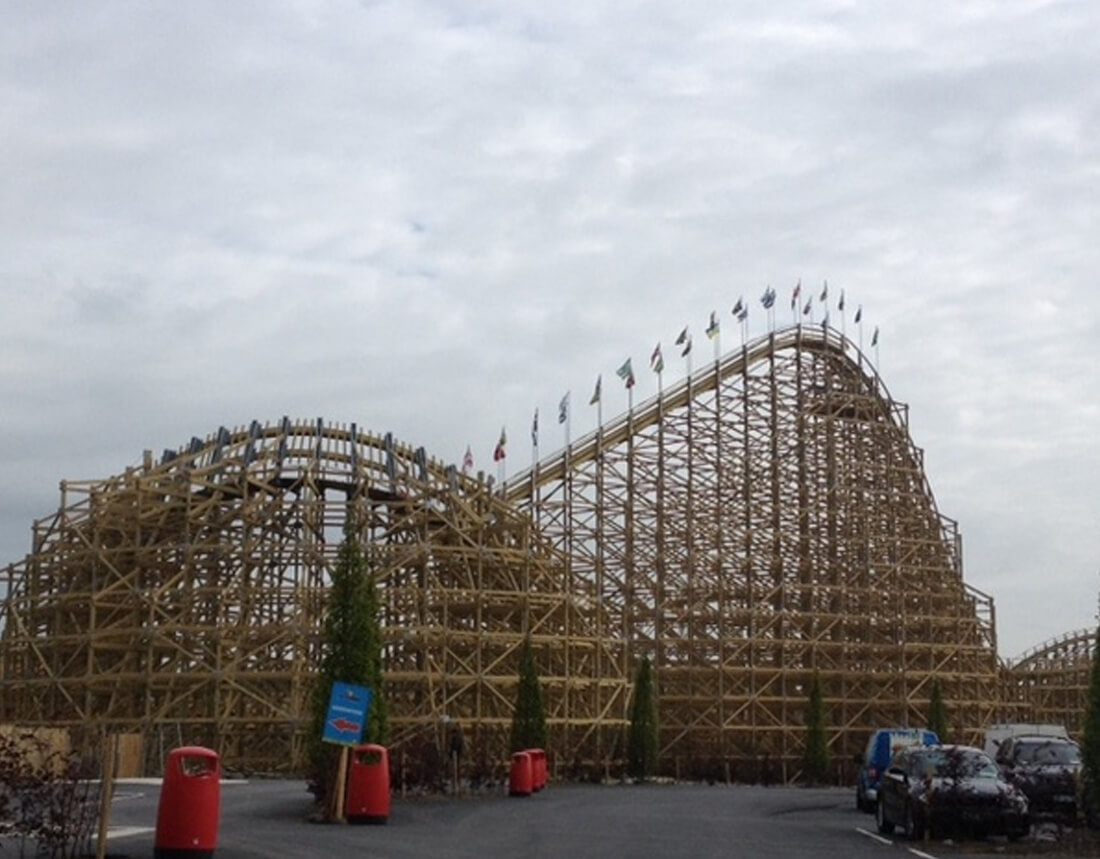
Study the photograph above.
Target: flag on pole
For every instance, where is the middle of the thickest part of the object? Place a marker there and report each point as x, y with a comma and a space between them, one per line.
626, 373
467, 460
712, 328
874, 337
794, 295
825, 321
535, 429
596, 393
768, 298
563, 409
807, 307
743, 314
657, 360
840, 304
738, 307
684, 340
859, 314
498, 451
824, 292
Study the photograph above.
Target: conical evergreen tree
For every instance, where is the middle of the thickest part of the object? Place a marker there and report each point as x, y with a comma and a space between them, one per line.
937, 713
350, 653
1090, 746
528, 719
641, 745
816, 763
378, 725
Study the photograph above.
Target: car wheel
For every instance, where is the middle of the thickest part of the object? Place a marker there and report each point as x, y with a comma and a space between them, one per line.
884, 826
861, 803
914, 827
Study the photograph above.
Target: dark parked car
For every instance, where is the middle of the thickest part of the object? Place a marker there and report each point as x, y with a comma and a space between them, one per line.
1046, 769
955, 790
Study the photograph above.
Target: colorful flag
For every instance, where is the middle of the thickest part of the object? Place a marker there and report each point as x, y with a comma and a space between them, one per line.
874, 337
626, 373
743, 314
563, 409
768, 298
687, 347
738, 307
794, 295
596, 393
498, 451
840, 304
467, 460
807, 307
535, 429
657, 360
712, 328
859, 314
683, 338
824, 292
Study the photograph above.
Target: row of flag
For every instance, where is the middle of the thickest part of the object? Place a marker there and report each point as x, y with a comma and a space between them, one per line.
625, 372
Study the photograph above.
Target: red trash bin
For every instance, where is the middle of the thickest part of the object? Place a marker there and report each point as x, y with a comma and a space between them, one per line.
538, 775
190, 804
368, 795
538, 769
519, 782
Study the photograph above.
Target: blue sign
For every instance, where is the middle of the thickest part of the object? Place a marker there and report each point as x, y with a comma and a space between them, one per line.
347, 714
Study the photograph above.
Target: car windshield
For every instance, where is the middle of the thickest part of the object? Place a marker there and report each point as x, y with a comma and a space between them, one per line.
1048, 753
955, 763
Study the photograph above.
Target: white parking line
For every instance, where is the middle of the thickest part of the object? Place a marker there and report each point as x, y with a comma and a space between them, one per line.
873, 836
126, 831
888, 841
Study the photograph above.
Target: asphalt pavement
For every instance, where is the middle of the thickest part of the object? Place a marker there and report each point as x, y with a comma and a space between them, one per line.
271, 819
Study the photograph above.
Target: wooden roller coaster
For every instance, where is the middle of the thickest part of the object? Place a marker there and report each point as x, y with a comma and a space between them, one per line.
763, 520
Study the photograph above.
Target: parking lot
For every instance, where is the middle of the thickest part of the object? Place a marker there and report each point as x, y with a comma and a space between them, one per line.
270, 818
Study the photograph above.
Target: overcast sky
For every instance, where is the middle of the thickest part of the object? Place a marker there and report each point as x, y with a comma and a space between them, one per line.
431, 218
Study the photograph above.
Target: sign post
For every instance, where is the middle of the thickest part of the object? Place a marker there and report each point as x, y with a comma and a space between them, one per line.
345, 721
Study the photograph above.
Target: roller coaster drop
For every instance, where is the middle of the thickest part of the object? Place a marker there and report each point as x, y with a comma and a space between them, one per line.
764, 519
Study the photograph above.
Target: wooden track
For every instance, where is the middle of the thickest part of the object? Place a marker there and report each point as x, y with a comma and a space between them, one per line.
764, 519
1049, 684
183, 599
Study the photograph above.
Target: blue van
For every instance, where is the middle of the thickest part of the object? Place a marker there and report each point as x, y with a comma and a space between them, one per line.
882, 746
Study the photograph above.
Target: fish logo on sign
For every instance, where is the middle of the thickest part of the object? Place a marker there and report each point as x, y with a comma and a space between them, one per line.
345, 726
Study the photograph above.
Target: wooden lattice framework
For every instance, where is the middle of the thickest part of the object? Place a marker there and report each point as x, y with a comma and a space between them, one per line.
183, 599
763, 519
1050, 683
766, 518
